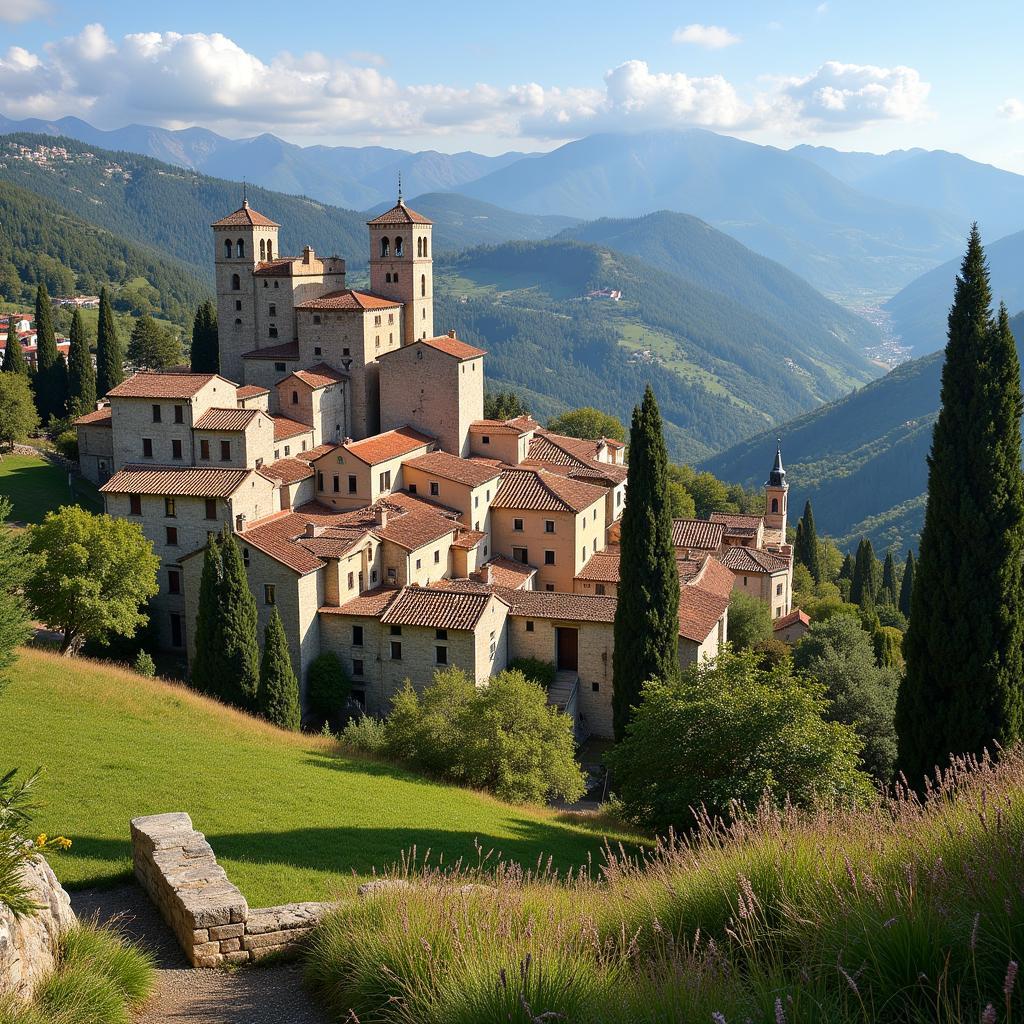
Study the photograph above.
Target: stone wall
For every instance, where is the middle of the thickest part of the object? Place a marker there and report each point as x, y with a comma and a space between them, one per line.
207, 913
28, 945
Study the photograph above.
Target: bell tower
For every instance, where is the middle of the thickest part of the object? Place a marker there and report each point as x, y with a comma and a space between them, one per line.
402, 266
776, 496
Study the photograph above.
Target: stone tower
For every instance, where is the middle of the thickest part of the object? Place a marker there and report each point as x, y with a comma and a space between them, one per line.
776, 496
241, 241
401, 267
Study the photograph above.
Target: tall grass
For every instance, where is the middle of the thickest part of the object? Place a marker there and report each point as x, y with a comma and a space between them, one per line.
909, 911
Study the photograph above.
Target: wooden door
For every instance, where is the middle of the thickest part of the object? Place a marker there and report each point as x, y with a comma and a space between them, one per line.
568, 649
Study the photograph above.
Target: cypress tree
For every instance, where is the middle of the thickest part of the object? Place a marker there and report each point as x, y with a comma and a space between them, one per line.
806, 549
51, 380
208, 672
278, 697
865, 584
239, 645
109, 357
81, 375
798, 545
847, 568
647, 611
965, 644
14, 358
907, 586
887, 594
205, 349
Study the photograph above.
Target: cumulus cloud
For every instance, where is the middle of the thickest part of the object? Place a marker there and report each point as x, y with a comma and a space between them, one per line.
178, 79
17, 11
1012, 109
711, 37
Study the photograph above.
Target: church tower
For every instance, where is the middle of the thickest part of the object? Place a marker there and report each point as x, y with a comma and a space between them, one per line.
401, 267
241, 241
776, 497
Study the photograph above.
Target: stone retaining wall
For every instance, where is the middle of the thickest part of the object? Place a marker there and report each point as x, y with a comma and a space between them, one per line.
208, 914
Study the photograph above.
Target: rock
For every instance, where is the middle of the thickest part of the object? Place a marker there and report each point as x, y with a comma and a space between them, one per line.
379, 885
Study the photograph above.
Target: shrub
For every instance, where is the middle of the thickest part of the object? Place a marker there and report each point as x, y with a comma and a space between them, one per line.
327, 686
144, 664
535, 669
66, 442
750, 621
366, 735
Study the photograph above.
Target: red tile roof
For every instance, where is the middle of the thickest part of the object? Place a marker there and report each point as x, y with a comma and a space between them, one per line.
400, 214
699, 612
280, 267
227, 419
188, 481
496, 427
741, 559
251, 391
452, 347
245, 215
714, 577
314, 453
288, 471
509, 574
602, 567
540, 491
145, 384
96, 418
738, 525
319, 376
392, 444
451, 467
285, 428
468, 539
369, 603
276, 536
437, 609
543, 604
795, 616
287, 350
348, 299
697, 533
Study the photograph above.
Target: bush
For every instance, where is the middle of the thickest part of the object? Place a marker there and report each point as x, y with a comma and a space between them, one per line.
537, 671
327, 686
503, 737
66, 442
144, 664
750, 621
366, 735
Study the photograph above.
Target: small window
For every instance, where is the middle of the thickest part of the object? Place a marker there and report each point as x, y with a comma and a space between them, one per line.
227, 248
236, 283
423, 286
238, 321
317, 351
316, 320
357, 666
440, 655
156, 413
435, 488
336, 483
353, 483
263, 249
778, 588
225, 451
179, 414
584, 552
171, 534
412, 489
520, 555
437, 557
419, 564
396, 630
392, 574
778, 613
398, 246
277, 284
599, 589
204, 449
295, 398
169, 508
387, 278
273, 309
549, 557
176, 448
277, 453
396, 650
238, 305
272, 332
287, 450
385, 480
385, 247
319, 481
517, 525
279, 367
595, 686
211, 508
135, 504
357, 634
529, 626
476, 501
486, 439
269, 593
240, 248
549, 526
245, 557
549, 587
173, 581
351, 580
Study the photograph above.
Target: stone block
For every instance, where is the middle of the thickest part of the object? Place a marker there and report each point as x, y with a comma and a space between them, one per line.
262, 952
227, 931
239, 957
201, 935
208, 961
230, 945
379, 885
291, 915
205, 948
251, 942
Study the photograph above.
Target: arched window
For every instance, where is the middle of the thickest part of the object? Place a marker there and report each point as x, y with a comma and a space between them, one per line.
775, 504
398, 246
263, 249
272, 332
425, 247
395, 278
387, 278
238, 322
273, 309
385, 247
419, 246
423, 285
240, 248
227, 248
236, 283
295, 398
270, 249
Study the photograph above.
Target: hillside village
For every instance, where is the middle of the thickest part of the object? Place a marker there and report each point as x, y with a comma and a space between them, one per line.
383, 517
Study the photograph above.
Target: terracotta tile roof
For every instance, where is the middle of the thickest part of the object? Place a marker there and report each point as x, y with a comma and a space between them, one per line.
244, 215
468, 539
280, 267
714, 577
227, 419
251, 391
795, 616
145, 384
702, 534
603, 567
400, 214
699, 612
319, 376
285, 428
96, 418
451, 467
287, 350
348, 299
369, 602
509, 574
288, 471
688, 568
314, 453
540, 491
392, 444
437, 609
412, 529
494, 427
738, 525
740, 559
452, 347
543, 604
276, 536
188, 481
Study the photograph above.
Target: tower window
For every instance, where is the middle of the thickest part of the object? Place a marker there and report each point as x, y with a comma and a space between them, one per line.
270, 249
227, 248
396, 277
775, 504
240, 248
273, 309
236, 283
238, 321
423, 284
238, 305
316, 318
263, 249
398, 246
385, 247
419, 246
295, 398
387, 278
424, 247
272, 332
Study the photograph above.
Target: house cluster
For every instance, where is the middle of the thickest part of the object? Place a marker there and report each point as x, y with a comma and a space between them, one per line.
19, 328
376, 509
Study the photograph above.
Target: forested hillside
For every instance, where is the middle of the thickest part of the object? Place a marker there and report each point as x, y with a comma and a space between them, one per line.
41, 241
861, 460
722, 370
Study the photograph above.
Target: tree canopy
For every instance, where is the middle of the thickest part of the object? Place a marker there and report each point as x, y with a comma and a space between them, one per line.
18, 416
588, 424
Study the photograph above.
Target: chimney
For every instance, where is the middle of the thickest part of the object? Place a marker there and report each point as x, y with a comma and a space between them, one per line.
307, 255
485, 574
240, 522
313, 530
451, 333
381, 515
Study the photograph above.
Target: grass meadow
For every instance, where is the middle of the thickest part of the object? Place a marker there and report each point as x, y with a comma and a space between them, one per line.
36, 487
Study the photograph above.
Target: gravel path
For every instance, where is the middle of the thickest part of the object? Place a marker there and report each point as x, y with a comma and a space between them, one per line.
247, 995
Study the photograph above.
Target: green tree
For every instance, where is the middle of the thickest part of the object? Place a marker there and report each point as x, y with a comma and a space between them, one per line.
806, 548
732, 730
965, 643
152, 346
92, 577
50, 382
907, 585
18, 416
15, 567
750, 621
680, 500
589, 424
327, 686
205, 356
866, 580
839, 655
503, 405
81, 375
710, 495
109, 356
887, 594
848, 567
277, 698
238, 623
14, 358
208, 670
647, 611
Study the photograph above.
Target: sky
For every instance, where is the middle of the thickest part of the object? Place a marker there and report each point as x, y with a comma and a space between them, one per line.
852, 74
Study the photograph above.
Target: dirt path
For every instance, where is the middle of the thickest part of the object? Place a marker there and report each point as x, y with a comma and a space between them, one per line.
184, 995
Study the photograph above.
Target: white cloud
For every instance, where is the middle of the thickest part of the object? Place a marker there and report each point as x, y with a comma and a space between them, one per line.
176, 79
711, 37
16, 11
1012, 109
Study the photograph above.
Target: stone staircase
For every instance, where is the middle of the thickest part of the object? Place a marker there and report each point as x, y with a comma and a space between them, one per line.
561, 690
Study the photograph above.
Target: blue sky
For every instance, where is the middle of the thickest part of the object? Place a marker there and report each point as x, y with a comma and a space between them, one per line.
459, 75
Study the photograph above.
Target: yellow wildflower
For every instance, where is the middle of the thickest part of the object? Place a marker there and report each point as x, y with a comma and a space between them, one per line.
63, 842
41, 840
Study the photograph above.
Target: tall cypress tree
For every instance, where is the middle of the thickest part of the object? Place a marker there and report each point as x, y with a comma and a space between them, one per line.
806, 548
887, 593
51, 380
205, 348
647, 611
278, 697
965, 643
81, 375
848, 567
238, 629
14, 358
866, 576
208, 672
907, 585
109, 356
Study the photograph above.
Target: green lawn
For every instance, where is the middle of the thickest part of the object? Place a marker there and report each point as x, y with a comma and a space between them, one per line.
36, 486
287, 817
